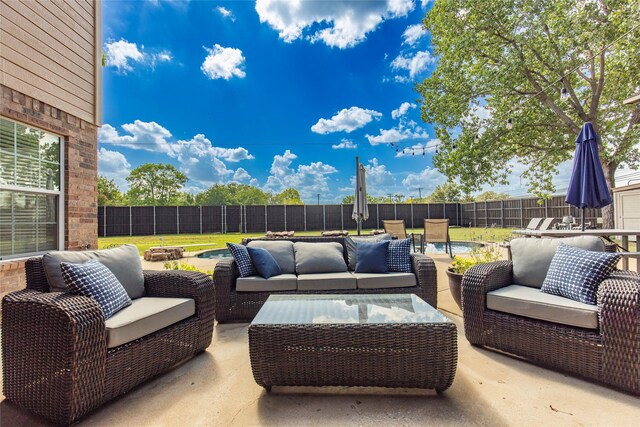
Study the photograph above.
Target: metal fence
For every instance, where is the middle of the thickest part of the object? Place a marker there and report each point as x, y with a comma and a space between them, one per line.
151, 220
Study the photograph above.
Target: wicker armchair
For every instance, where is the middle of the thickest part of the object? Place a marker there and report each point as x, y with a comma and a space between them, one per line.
233, 306
54, 347
609, 355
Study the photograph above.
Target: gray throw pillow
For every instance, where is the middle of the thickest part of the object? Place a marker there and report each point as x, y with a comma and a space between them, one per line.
532, 257
325, 257
123, 261
350, 243
281, 250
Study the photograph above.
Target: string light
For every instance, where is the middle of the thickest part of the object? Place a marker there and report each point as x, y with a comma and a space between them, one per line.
509, 123
476, 139
564, 95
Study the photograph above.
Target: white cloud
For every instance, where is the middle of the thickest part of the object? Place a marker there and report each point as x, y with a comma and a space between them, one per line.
379, 178
345, 144
223, 63
419, 149
114, 165
428, 179
412, 34
241, 176
203, 162
338, 24
425, 3
226, 13
402, 110
148, 136
415, 64
309, 179
346, 120
121, 53
397, 134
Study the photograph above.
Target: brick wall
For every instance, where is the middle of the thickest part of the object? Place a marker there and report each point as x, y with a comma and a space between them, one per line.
80, 174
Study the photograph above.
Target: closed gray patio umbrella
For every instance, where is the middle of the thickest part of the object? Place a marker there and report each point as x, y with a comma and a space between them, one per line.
360, 207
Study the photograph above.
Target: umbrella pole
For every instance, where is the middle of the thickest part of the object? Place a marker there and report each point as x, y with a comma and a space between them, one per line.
357, 199
582, 219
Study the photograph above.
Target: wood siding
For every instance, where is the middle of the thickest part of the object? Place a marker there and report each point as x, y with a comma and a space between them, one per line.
51, 50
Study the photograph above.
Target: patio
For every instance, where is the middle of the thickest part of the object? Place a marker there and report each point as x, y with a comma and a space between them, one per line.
217, 388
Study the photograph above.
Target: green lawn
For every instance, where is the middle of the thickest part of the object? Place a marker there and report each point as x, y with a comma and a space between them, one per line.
145, 242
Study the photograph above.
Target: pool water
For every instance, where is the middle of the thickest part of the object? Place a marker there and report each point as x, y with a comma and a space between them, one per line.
432, 248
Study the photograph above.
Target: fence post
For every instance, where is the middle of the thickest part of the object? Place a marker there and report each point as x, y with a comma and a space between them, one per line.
266, 226
304, 210
104, 220
395, 211
546, 209
475, 214
178, 219
377, 216
130, 220
521, 215
200, 207
154, 220
458, 207
412, 226
341, 216
222, 228
285, 217
324, 218
428, 210
502, 213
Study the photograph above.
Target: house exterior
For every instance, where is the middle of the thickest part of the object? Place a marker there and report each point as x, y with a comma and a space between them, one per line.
50, 111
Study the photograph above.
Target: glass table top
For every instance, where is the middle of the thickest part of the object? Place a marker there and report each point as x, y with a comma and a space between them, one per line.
350, 309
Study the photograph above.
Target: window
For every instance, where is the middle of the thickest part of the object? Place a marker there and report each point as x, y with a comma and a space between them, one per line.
30, 190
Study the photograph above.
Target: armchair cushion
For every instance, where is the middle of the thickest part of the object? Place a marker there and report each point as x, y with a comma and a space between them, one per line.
532, 257
399, 256
146, 315
384, 281
372, 257
264, 262
281, 250
576, 273
92, 279
123, 261
530, 302
243, 259
323, 257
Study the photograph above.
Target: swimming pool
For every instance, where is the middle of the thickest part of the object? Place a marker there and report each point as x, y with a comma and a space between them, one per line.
432, 248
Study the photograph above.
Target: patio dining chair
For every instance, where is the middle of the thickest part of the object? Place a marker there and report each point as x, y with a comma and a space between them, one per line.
397, 229
437, 231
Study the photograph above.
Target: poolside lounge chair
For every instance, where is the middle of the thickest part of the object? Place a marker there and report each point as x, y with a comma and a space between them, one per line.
546, 224
437, 231
533, 224
397, 229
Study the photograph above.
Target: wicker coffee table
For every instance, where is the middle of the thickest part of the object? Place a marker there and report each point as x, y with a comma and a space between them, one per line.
352, 340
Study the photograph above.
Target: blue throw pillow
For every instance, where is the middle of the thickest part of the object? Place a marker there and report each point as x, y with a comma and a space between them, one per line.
241, 255
264, 262
576, 273
372, 257
92, 279
399, 256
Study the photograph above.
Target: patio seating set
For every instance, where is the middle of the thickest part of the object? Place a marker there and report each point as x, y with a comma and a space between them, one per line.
327, 313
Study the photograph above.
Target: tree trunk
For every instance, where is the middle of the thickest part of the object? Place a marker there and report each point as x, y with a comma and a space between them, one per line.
608, 211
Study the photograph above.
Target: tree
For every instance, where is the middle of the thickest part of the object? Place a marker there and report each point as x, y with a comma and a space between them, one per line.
490, 195
108, 193
232, 194
493, 66
447, 192
289, 196
155, 184
348, 200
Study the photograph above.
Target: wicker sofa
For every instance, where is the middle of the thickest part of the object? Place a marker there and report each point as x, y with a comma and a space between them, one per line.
606, 349
233, 305
56, 359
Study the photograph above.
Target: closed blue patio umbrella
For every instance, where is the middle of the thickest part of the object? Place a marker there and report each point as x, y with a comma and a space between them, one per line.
587, 186
360, 206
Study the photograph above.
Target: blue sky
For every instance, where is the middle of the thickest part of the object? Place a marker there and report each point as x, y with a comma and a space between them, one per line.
273, 94
268, 93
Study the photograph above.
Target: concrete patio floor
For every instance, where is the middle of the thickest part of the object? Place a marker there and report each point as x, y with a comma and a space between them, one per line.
217, 389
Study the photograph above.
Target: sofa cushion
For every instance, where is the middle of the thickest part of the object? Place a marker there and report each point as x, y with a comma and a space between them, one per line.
399, 256
93, 280
281, 250
123, 261
242, 259
530, 302
576, 274
325, 257
532, 257
372, 257
350, 244
382, 281
326, 281
145, 316
264, 262
282, 282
